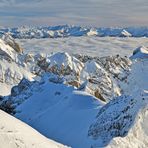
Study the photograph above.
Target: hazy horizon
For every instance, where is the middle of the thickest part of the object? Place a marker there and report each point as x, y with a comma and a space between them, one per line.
98, 13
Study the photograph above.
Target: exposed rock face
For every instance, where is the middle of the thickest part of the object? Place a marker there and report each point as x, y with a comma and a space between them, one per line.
12, 43
114, 65
99, 80
11, 69
19, 94
97, 94
43, 63
69, 67
63, 63
118, 66
104, 74
101, 74
7, 52
22, 86
74, 83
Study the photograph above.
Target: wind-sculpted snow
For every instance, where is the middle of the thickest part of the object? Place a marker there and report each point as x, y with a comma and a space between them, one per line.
16, 134
67, 30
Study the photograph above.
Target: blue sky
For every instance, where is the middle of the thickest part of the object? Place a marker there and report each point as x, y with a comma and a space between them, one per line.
79, 12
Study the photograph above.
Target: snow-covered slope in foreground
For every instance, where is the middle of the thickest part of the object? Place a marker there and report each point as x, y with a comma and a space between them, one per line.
80, 120
16, 134
61, 113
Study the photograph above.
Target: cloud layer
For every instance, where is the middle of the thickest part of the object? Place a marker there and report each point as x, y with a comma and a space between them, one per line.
78, 12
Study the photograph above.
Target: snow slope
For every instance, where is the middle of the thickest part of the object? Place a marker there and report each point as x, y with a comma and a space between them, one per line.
77, 119
14, 134
140, 52
60, 113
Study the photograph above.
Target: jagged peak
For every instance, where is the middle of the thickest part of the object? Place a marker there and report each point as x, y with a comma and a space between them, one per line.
93, 67
7, 51
62, 60
11, 42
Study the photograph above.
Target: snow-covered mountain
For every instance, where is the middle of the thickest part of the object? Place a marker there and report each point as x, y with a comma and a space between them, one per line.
67, 30
79, 100
95, 75
11, 68
14, 134
68, 113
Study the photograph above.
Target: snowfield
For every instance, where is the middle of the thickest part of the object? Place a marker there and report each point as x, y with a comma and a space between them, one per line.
65, 116
93, 93
14, 134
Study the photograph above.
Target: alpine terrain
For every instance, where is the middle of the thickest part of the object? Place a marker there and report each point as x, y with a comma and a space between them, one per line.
79, 100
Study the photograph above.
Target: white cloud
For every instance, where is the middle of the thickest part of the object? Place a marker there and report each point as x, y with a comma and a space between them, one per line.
89, 12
